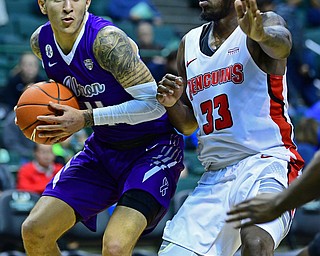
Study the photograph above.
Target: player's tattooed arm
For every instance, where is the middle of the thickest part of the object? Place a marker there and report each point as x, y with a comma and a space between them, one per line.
34, 43
115, 53
88, 118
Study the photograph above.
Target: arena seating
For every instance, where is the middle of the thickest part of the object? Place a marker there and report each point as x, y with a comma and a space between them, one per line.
15, 206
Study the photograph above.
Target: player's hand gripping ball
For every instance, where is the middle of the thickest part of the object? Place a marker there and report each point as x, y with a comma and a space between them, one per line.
34, 102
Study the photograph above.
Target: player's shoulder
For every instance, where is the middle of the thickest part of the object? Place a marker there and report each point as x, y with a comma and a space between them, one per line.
108, 31
111, 41
110, 37
34, 42
36, 33
271, 18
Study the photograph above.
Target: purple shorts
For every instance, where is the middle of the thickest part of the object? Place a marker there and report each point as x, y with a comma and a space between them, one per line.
96, 177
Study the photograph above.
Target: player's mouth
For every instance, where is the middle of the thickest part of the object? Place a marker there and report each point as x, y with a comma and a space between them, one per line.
67, 20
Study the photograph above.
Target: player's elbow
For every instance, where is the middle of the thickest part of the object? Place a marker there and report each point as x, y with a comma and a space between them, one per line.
156, 110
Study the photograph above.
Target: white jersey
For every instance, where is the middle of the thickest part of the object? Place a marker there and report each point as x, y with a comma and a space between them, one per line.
240, 109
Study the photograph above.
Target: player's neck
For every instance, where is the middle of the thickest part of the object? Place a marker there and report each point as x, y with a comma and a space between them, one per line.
222, 29
67, 40
66, 44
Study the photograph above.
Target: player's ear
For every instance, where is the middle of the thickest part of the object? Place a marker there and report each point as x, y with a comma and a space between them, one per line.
42, 6
88, 2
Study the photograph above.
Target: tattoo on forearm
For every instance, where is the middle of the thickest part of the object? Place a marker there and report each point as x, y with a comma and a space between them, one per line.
88, 118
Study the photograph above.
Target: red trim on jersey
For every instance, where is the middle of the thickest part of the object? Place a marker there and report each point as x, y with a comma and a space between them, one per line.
275, 88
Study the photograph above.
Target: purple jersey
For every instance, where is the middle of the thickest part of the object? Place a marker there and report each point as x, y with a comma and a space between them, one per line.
150, 157
93, 86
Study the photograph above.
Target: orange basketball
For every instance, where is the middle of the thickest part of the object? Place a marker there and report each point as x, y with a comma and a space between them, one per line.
34, 102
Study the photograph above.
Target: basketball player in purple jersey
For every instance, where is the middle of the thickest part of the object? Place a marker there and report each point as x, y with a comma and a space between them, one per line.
133, 157
232, 86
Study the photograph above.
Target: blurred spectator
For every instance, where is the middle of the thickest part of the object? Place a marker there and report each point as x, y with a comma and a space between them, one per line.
163, 65
313, 14
4, 110
300, 70
7, 180
171, 63
150, 50
313, 112
78, 139
134, 10
27, 71
265, 5
19, 146
306, 137
68, 148
34, 175
4, 18
145, 37
62, 151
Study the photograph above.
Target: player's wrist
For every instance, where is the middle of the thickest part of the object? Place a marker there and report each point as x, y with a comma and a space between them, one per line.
88, 118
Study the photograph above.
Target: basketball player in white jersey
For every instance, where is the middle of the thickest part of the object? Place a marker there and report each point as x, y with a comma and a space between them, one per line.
232, 86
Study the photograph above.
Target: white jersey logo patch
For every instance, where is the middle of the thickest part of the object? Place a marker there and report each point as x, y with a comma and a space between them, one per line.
52, 64
88, 63
49, 51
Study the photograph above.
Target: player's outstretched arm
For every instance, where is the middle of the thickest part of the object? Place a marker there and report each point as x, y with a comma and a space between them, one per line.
267, 29
267, 207
259, 209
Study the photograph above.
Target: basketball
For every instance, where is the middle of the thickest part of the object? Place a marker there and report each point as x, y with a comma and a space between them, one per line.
34, 101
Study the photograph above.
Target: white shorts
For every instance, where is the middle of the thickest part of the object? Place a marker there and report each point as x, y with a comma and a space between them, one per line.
199, 227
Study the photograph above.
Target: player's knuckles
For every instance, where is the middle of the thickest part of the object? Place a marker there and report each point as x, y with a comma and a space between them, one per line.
161, 88
164, 89
169, 85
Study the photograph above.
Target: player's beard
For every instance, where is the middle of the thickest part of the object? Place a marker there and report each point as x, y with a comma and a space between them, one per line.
217, 13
